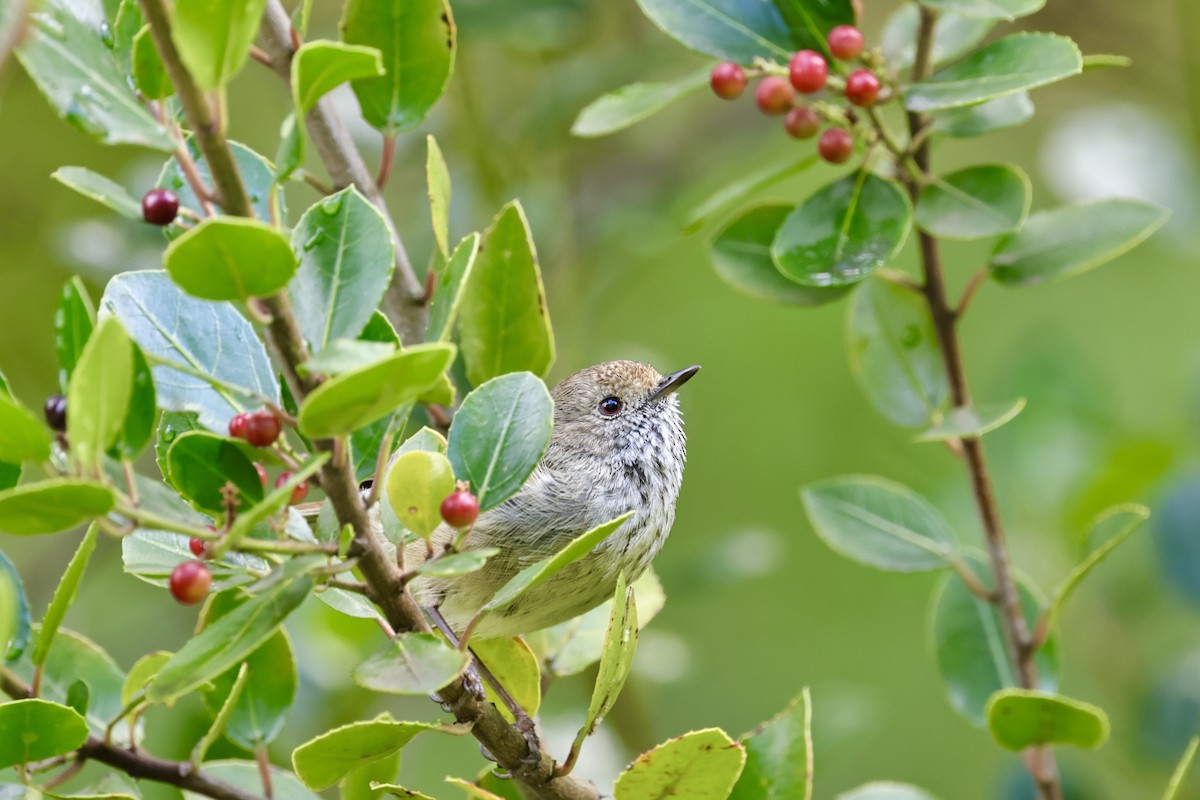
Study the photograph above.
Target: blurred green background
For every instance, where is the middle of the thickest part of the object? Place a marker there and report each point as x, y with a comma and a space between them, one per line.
758, 607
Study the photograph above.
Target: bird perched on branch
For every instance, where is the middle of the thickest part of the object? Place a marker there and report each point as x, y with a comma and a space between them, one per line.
618, 445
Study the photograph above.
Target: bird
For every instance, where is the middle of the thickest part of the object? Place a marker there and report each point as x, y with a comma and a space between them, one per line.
617, 445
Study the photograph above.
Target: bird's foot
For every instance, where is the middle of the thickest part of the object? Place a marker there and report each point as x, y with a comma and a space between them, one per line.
473, 684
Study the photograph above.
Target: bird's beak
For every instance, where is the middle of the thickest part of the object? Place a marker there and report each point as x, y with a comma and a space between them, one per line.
672, 382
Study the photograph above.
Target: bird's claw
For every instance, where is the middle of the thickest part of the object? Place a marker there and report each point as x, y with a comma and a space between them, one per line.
474, 685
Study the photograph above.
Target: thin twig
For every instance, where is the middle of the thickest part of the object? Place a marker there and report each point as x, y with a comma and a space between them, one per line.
974, 283
385, 161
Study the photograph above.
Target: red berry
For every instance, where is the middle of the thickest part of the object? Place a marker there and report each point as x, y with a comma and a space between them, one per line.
460, 509
159, 206
835, 145
808, 71
802, 123
189, 582
262, 429
773, 95
728, 80
298, 493
237, 426
262, 473
845, 42
197, 547
862, 87
56, 412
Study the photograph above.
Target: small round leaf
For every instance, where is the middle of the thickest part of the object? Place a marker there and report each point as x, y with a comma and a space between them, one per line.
974, 203
230, 258
417, 483
1019, 718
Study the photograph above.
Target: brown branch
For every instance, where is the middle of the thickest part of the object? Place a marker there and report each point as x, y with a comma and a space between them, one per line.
1016, 631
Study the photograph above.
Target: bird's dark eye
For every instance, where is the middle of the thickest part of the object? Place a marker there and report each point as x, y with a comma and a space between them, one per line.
611, 406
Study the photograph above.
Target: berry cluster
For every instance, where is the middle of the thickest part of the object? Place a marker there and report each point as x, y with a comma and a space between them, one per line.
807, 74
260, 428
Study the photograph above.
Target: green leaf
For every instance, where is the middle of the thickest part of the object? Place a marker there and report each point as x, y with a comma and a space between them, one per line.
289, 156
141, 673
1020, 718
72, 659
14, 612
987, 9
323, 761
778, 757
448, 291
346, 403
148, 71
232, 638
346, 257
1181, 769
38, 729
258, 176
126, 24
222, 715
64, 595
437, 177
1018, 62
22, 436
99, 393
151, 556
416, 485
504, 325
700, 765
214, 37
742, 188
1003, 112
1067, 241
411, 663
513, 664
320, 66
968, 639
455, 564
99, 188
245, 775
52, 506
545, 569
741, 254
138, 427
974, 203
894, 353
200, 464
1108, 531
205, 356
80, 76
844, 232
499, 435
631, 104
77, 697
810, 22
886, 790
971, 422
879, 523
360, 782
394, 790
74, 321
620, 642
346, 355
416, 39
954, 36
230, 258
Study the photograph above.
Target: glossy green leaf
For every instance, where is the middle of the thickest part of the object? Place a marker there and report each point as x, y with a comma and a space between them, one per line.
14, 612
149, 74
810, 22
631, 104
1019, 718
513, 663
289, 156
437, 178
411, 663
416, 39
994, 115
974, 203
346, 355
620, 642
245, 775
346, 403
141, 673
151, 555
38, 729
1108, 531
741, 255
416, 485
96, 187
214, 37
879, 523
222, 715
1067, 241
778, 757
10, 471
81, 78
547, 568
1018, 62
138, 427
126, 24
360, 782
988, 9
955, 35
201, 464
230, 258
504, 325
232, 638
258, 176
454, 564
499, 435
52, 506
323, 761
75, 658
745, 186
205, 356
894, 353
74, 321
320, 66
886, 790
23, 437
1181, 769
844, 232
99, 393
346, 256
64, 595
968, 639
971, 422
448, 291
700, 765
